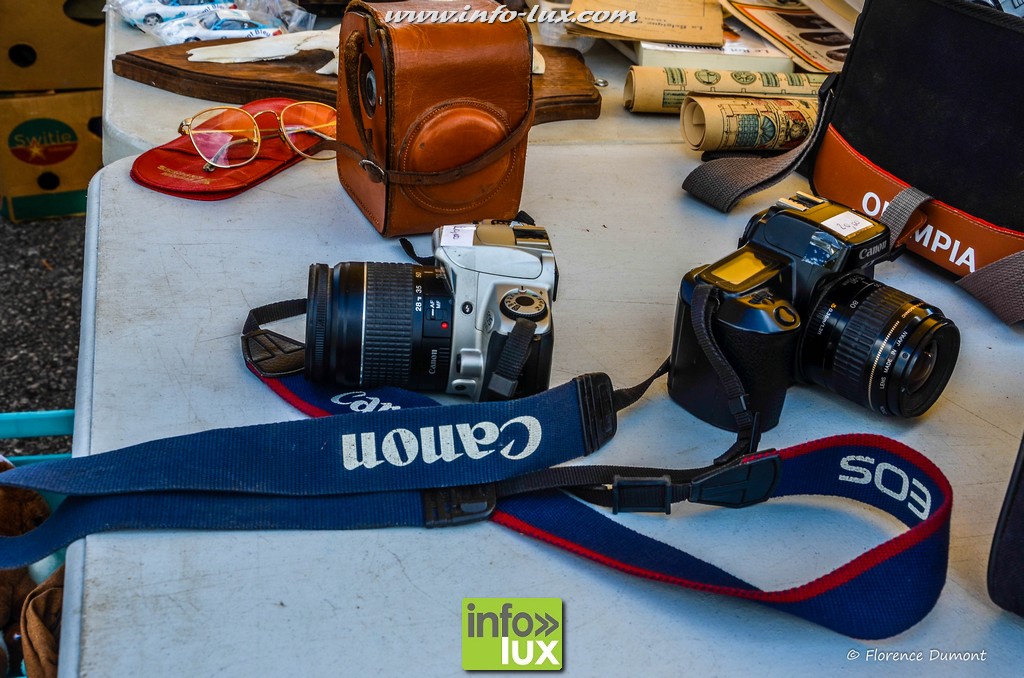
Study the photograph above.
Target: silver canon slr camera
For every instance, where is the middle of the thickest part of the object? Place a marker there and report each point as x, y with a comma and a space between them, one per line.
477, 323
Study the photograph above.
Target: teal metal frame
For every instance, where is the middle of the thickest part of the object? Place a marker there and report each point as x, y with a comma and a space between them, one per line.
36, 425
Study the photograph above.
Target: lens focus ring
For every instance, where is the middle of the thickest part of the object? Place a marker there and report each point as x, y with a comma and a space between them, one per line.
387, 341
316, 320
856, 350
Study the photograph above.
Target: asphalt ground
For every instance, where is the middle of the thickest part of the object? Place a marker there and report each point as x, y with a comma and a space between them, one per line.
40, 316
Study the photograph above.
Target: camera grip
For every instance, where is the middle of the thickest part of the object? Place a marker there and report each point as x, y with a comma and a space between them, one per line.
763, 361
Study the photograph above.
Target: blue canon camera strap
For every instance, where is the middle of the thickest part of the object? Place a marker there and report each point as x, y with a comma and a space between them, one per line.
384, 451
880, 593
409, 465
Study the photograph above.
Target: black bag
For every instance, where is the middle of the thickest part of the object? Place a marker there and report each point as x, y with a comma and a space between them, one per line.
1006, 561
928, 98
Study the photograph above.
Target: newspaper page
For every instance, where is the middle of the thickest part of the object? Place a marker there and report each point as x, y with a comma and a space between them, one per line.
652, 89
715, 123
695, 22
839, 13
811, 41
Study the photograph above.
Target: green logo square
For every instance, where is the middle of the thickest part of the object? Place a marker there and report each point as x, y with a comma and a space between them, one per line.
512, 634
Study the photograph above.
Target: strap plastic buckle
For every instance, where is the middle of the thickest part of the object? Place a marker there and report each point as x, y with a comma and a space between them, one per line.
642, 495
597, 409
447, 506
738, 483
272, 354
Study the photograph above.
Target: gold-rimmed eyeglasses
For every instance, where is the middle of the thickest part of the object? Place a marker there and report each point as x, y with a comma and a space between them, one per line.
227, 136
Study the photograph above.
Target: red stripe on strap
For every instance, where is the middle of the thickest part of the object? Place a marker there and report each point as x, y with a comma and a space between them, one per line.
289, 396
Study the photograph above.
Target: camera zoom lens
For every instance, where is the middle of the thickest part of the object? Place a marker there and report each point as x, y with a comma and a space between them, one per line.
371, 324
879, 347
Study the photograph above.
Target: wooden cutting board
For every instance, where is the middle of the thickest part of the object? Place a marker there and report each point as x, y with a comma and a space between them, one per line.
564, 92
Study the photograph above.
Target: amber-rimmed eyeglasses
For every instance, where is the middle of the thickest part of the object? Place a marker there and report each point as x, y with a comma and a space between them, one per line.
227, 136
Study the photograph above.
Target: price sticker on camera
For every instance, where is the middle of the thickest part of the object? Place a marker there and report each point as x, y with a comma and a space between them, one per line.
460, 235
847, 223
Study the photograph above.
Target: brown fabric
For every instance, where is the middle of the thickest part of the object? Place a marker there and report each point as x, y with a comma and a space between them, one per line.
20, 512
40, 623
450, 97
15, 587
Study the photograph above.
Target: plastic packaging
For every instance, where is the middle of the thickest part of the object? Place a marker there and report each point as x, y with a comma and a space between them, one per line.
176, 21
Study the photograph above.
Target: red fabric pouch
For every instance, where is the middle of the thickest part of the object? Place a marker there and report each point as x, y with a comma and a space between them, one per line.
175, 168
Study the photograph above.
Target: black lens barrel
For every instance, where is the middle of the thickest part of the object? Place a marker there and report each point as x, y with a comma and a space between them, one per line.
378, 324
878, 346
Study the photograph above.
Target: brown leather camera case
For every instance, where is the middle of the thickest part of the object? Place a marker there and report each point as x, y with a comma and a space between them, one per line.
432, 116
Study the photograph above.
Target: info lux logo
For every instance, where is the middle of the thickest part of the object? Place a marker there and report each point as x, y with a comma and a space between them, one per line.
512, 634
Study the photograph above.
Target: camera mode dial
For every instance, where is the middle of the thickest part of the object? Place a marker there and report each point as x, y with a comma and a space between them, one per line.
523, 303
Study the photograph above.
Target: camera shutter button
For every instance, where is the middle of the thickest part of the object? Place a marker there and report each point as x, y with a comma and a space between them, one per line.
786, 315
523, 304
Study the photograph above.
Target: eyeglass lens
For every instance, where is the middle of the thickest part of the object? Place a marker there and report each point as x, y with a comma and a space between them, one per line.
229, 137
306, 124
225, 137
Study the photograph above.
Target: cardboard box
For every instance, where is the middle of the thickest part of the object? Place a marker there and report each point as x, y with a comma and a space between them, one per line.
44, 48
52, 147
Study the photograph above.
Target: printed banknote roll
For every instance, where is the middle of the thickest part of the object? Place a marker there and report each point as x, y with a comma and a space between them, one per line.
655, 89
712, 123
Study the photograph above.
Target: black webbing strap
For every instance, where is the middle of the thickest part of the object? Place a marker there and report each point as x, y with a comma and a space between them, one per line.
514, 354
279, 310
900, 212
624, 397
723, 182
740, 482
411, 253
726, 482
704, 304
1000, 286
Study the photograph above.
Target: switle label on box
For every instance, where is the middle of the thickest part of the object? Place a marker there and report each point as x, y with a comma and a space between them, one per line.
42, 141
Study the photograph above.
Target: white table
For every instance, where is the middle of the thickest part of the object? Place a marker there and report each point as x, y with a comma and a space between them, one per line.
168, 283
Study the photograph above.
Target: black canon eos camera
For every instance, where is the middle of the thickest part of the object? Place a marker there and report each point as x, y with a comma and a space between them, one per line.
451, 327
796, 303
